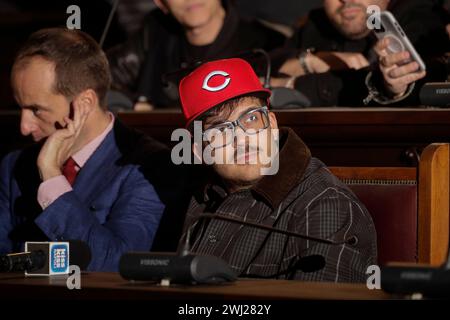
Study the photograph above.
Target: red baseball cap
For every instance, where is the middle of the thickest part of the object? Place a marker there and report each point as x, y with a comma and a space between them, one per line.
216, 82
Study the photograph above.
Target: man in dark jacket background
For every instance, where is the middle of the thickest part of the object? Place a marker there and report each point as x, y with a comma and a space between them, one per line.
175, 36
337, 49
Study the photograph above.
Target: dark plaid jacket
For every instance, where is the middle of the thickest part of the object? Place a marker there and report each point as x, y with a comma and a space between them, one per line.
303, 197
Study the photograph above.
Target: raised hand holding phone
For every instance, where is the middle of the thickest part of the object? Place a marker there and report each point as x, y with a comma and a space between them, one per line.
391, 31
63, 142
397, 74
399, 62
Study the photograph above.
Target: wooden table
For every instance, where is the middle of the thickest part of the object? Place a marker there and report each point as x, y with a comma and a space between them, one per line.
112, 286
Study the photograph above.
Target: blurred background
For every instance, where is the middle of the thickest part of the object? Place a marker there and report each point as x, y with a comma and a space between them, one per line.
19, 18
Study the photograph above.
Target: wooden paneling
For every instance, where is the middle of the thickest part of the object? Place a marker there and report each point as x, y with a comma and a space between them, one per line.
376, 137
433, 199
434, 204
374, 173
340, 136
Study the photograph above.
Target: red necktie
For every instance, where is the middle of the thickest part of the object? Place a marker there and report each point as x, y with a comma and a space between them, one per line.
69, 170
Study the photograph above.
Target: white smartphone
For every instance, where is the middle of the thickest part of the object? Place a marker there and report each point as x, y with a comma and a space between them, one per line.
398, 40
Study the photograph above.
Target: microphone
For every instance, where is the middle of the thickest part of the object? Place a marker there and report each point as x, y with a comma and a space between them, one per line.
353, 240
108, 22
435, 94
268, 66
433, 282
194, 269
22, 261
281, 98
429, 281
47, 258
180, 267
171, 267
305, 264
187, 268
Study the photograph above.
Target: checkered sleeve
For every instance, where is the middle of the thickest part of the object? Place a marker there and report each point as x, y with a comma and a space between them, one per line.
337, 215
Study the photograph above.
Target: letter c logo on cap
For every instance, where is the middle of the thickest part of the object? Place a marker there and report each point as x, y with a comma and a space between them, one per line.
218, 88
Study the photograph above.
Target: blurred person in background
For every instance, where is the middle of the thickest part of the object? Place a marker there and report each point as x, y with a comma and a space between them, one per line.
175, 36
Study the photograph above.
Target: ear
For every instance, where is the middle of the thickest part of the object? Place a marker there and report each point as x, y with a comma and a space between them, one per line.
87, 98
161, 5
273, 120
197, 151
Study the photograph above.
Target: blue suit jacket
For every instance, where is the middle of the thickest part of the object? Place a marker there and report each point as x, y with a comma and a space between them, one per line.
113, 206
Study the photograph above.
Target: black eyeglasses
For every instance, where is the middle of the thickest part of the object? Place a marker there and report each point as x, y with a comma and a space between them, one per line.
251, 122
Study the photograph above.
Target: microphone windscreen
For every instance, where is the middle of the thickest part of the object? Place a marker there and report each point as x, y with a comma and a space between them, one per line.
80, 253
311, 263
435, 94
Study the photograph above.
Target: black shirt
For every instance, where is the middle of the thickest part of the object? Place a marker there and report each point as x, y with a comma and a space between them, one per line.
149, 64
422, 20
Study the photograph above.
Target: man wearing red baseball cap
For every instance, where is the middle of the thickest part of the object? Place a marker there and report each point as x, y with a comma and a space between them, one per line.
225, 100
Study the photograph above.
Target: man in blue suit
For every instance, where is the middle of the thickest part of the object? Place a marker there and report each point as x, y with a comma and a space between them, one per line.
87, 176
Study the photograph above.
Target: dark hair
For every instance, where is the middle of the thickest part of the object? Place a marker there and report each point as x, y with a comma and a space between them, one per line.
229, 105
80, 63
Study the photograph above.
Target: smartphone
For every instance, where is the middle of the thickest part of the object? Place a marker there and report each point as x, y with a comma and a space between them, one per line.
398, 40
71, 114
71, 111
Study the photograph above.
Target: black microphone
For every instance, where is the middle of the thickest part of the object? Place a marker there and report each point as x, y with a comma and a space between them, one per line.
108, 22
268, 66
435, 94
305, 264
184, 267
433, 282
23, 261
281, 98
353, 240
429, 281
180, 267
173, 268
195, 269
47, 258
